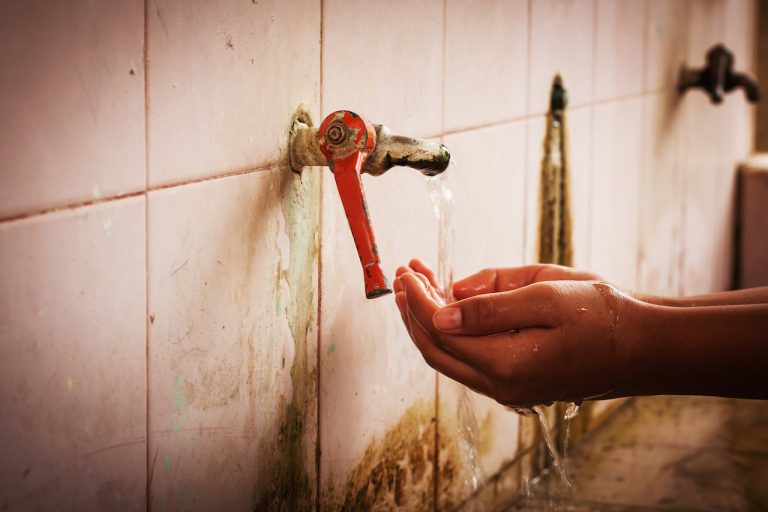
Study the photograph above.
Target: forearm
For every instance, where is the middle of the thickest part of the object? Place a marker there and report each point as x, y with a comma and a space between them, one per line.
730, 298
697, 350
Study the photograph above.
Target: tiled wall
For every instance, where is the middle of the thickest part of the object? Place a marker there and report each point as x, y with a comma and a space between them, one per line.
182, 322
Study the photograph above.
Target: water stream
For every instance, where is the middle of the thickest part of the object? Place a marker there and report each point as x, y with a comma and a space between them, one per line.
556, 459
466, 422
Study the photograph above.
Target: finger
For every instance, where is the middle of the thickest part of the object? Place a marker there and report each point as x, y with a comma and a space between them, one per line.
446, 363
493, 280
536, 305
483, 353
419, 301
397, 285
422, 268
480, 353
433, 293
496, 280
431, 290
403, 309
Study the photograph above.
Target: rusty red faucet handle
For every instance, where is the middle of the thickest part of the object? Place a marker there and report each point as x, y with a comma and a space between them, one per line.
346, 140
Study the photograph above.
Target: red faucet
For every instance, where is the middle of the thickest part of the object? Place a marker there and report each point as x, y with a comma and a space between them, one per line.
350, 145
347, 140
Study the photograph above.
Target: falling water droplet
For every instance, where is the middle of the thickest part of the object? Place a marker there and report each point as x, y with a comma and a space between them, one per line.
556, 459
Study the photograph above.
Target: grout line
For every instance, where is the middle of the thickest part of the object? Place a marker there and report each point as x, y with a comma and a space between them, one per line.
278, 163
436, 459
645, 59
681, 161
318, 449
72, 206
146, 191
528, 174
483, 126
147, 323
526, 139
644, 160
575, 108
591, 166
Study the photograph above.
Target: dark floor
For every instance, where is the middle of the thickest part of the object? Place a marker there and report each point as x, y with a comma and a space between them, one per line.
668, 453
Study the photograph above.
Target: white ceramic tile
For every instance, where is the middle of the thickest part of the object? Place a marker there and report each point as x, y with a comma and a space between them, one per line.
232, 347
72, 103
662, 196
562, 38
488, 185
579, 129
615, 198
619, 37
717, 138
224, 80
384, 61
376, 392
740, 30
667, 42
73, 342
706, 28
486, 62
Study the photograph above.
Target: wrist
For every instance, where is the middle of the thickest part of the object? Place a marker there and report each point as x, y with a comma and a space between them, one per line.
640, 350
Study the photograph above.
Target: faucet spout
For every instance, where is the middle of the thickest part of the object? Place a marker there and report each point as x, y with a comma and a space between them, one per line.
391, 150
718, 77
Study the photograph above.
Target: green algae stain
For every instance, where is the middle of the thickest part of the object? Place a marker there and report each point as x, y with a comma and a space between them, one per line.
178, 397
330, 349
166, 463
291, 487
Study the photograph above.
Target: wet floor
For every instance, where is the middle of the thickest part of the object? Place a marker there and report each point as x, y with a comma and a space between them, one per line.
668, 453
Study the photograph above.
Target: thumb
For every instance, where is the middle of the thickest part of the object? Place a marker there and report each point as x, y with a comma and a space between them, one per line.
531, 306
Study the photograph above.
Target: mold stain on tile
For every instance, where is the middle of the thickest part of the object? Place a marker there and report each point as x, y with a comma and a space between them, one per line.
291, 487
486, 433
453, 486
396, 471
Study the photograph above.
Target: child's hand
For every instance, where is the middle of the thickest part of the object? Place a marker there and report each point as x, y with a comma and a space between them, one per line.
534, 342
494, 280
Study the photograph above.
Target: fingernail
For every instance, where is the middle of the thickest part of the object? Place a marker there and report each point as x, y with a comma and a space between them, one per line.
447, 318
